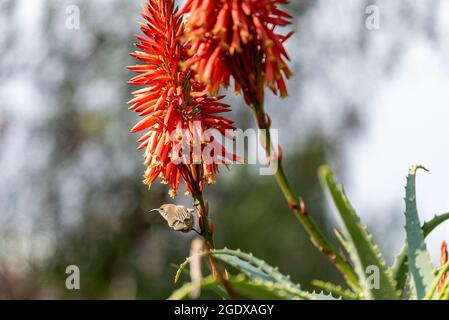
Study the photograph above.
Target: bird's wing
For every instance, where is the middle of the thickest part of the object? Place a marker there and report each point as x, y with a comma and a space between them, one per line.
182, 213
183, 219
177, 226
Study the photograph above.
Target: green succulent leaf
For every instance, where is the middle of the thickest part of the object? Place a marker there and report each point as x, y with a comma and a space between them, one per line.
257, 279
418, 257
248, 265
245, 288
348, 248
430, 225
444, 294
440, 274
399, 269
365, 255
322, 296
250, 289
189, 287
181, 268
335, 290
253, 267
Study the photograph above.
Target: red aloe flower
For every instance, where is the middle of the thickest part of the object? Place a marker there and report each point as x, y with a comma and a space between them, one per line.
176, 109
237, 38
443, 261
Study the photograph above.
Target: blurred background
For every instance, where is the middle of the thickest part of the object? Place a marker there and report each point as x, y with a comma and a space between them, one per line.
369, 102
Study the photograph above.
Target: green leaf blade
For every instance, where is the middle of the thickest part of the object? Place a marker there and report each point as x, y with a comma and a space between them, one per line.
254, 289
253, 267
418, 257
335, 290
400, 269
359, 244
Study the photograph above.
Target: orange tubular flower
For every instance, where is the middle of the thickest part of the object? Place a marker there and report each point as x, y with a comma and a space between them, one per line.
237, 38
443, 261
176, 109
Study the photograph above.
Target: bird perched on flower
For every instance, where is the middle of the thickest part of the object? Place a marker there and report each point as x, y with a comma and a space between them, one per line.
238, 38
176, 109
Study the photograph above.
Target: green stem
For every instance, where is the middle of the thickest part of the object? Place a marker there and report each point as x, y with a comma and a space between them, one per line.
298, 208
208, 237
205, 231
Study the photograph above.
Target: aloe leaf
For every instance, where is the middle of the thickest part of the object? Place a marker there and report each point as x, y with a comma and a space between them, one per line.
335, 290
441, 272
247, 288
247, 264
322, 296
262, 289
266, 290
184, 292
181, 268
430, 225
399, 269
444, 294
252, 266
348, 249
258, 279
252, 289
418, 257
364, 254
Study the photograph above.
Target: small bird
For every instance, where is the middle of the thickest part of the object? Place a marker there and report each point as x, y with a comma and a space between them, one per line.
179, 218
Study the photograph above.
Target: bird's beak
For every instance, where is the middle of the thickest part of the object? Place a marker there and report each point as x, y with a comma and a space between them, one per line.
155, 210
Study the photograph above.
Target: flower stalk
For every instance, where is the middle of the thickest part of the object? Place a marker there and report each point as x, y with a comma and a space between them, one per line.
207, 231
203, 212
297, 205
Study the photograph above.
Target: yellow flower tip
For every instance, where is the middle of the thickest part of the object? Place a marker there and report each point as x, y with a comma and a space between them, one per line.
224, 46
246, 37
234, 49
269, 44
219, 31
148, 184
172, 193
